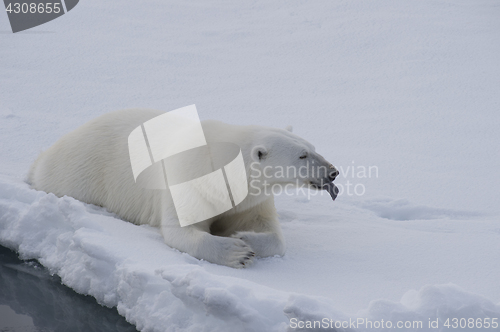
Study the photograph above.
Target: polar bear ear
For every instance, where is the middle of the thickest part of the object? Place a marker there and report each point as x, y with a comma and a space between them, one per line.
259, 153
289, 128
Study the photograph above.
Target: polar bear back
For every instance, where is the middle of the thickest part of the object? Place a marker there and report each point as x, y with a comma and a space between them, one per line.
92, 165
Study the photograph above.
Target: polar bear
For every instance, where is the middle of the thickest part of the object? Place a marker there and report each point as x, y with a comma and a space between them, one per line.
92, 164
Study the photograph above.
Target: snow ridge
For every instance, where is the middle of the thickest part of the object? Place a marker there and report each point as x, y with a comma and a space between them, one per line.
158, 288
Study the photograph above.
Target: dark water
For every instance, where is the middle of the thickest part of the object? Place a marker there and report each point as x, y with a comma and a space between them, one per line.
31, 300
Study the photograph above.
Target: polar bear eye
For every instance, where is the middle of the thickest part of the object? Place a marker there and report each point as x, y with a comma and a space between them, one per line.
304, 156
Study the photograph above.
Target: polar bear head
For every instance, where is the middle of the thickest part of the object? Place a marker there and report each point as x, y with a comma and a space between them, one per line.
276, 157
280, 157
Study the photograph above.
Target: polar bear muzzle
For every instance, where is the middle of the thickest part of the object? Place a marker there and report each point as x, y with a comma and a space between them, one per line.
329, 186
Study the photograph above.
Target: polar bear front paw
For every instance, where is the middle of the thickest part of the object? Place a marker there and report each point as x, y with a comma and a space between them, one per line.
263, 244
238, 254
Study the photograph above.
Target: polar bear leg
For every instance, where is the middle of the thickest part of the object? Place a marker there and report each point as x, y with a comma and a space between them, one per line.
198, 243
263, 244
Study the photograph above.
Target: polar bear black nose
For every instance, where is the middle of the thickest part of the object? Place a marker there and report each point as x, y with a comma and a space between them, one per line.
333, 174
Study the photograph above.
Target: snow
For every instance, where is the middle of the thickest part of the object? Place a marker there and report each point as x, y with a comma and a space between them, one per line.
153, 286
410, 88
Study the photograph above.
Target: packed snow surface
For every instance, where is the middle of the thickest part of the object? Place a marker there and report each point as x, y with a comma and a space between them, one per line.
326, 272
401, 96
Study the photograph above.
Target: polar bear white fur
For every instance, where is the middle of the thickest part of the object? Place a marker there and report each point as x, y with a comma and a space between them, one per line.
92, 164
